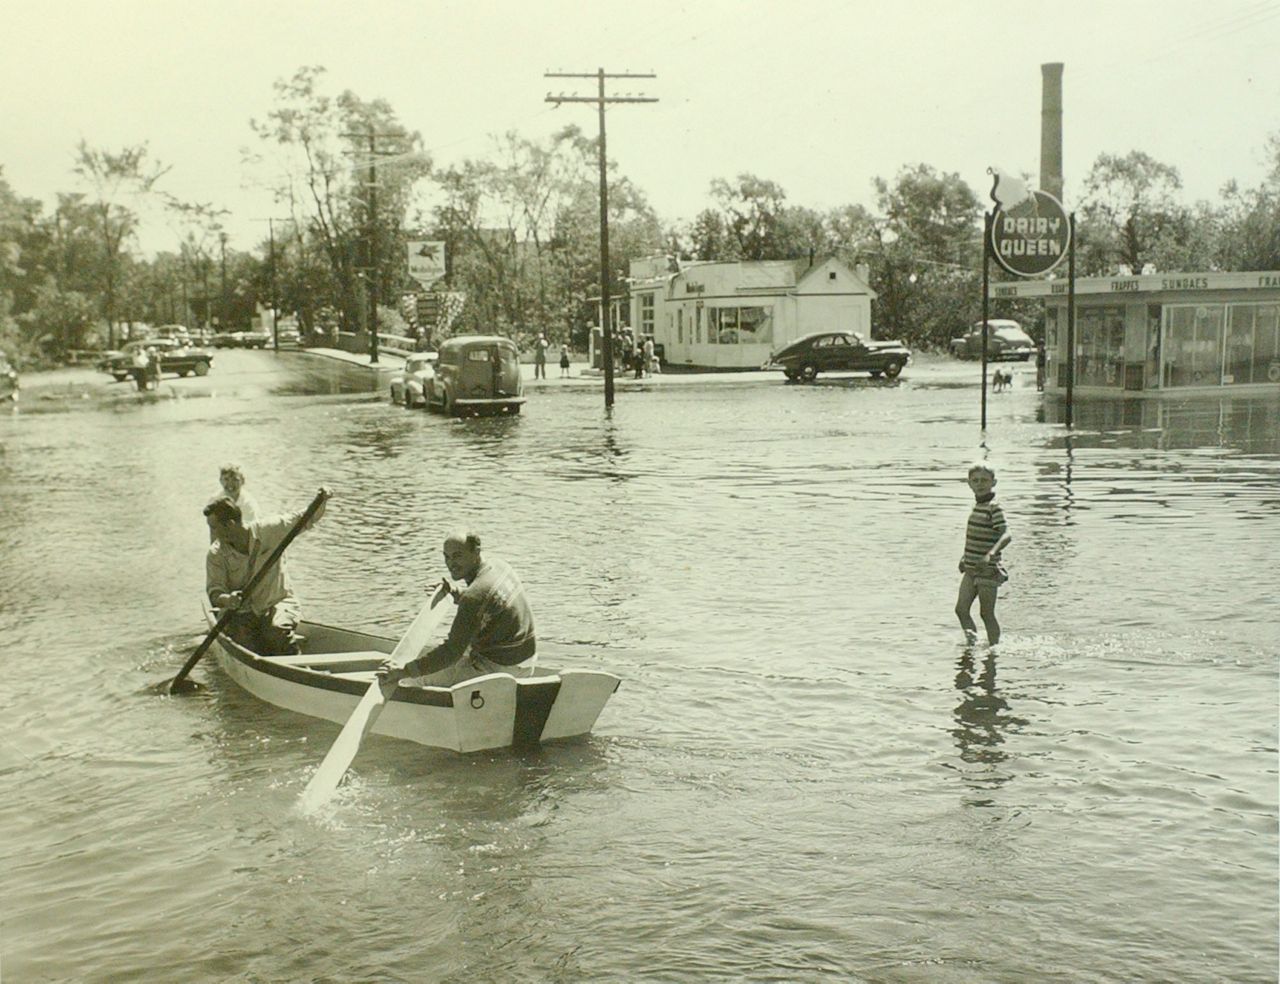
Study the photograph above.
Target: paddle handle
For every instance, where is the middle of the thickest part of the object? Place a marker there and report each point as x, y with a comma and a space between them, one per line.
247, 590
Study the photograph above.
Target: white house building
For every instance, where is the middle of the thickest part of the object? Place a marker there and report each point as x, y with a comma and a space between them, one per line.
732, 315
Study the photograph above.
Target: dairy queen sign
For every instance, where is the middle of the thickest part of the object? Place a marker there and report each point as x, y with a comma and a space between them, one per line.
1030, 231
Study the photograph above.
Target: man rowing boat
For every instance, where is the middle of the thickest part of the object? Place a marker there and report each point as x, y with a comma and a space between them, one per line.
492, 631
265, 621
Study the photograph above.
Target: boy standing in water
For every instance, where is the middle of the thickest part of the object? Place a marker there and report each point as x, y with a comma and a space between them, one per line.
985, 536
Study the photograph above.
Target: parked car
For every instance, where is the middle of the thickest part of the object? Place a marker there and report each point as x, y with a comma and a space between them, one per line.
254, 339
175, 356
409, 385
8, 380
476, 374
227, 339
1005, 341
178, 332
838, 351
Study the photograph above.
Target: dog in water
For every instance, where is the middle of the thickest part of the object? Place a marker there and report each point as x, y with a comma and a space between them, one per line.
1001, 380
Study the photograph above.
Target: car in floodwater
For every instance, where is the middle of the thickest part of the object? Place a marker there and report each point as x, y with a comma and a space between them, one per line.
1006, 342
475, 375
409, 385
175, 356
838, 351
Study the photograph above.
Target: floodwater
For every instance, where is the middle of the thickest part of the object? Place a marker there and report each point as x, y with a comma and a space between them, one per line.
804, 775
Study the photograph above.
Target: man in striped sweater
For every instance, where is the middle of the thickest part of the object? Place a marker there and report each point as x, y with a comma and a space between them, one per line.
985, 536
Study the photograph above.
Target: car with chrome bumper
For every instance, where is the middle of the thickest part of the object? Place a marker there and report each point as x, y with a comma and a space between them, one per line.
476, 375
1006, 342
838, 351
409, 385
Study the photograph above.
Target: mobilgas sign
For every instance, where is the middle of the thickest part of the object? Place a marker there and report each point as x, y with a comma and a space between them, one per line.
1032, 237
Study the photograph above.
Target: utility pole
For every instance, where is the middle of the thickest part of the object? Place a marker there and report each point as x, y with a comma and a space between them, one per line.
271, 269
373, 249
600, 99
222, 312
371, 233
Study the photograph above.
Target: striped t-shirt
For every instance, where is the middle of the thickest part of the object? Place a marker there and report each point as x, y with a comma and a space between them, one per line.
986, 526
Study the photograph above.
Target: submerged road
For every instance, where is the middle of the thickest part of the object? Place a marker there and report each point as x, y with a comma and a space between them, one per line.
804, 775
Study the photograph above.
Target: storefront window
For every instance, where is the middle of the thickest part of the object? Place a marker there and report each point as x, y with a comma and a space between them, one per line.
1266, 344
755, 325
1100, 347
1154, 325
745, 326
1252, 347
1193, 345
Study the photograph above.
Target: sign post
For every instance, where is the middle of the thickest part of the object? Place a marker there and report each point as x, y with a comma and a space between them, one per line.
1029, 234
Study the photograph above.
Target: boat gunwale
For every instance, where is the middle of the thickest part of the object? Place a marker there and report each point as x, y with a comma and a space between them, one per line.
319, 680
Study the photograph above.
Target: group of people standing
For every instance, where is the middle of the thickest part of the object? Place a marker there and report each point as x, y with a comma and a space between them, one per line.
540, 358
492, 630
636, 354
146, 368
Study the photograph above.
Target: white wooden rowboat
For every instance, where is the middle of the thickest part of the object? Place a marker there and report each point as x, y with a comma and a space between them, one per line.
492, 711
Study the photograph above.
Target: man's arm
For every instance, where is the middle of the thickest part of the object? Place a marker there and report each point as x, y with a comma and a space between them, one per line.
466, 623
216, 583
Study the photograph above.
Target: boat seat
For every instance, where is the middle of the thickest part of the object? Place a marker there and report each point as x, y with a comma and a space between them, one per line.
368, 676
367, 660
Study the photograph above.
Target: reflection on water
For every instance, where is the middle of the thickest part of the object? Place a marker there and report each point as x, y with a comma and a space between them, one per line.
982, 718
1167, 424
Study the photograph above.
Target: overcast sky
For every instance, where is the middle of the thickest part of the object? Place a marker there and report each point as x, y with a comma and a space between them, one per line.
820, 97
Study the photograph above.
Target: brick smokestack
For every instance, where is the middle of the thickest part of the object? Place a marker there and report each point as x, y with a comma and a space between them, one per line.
1051, 129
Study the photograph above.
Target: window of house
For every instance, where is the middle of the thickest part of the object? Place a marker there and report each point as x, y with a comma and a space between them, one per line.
646, 313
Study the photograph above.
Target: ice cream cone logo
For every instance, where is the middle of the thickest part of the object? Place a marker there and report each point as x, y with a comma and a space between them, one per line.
1013, 195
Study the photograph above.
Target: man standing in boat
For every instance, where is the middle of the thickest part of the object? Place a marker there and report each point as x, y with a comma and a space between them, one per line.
266, 621
492, 630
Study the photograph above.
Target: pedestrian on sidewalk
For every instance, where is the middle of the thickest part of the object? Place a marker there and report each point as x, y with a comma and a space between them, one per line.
540, 356
564, 361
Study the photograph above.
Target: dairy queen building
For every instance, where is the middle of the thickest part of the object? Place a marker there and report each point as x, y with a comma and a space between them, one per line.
1163, 333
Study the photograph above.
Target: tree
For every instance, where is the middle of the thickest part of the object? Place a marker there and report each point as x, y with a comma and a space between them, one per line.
1249, 233
523, 231
752, 210
1128, 210
328, 165
200, 224
922, 262
116, 179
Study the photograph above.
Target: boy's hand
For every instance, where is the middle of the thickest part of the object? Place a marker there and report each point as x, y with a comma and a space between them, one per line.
962, 566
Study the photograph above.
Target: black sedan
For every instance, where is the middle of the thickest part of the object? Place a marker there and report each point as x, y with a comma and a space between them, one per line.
838, 351
175, 356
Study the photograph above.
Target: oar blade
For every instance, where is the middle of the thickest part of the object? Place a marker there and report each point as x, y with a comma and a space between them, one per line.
325, 782
326, 779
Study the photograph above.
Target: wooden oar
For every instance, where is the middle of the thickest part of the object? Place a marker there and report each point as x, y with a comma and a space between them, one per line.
258, 575
336, 763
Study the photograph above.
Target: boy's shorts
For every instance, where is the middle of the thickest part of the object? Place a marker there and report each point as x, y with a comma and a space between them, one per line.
986, 575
